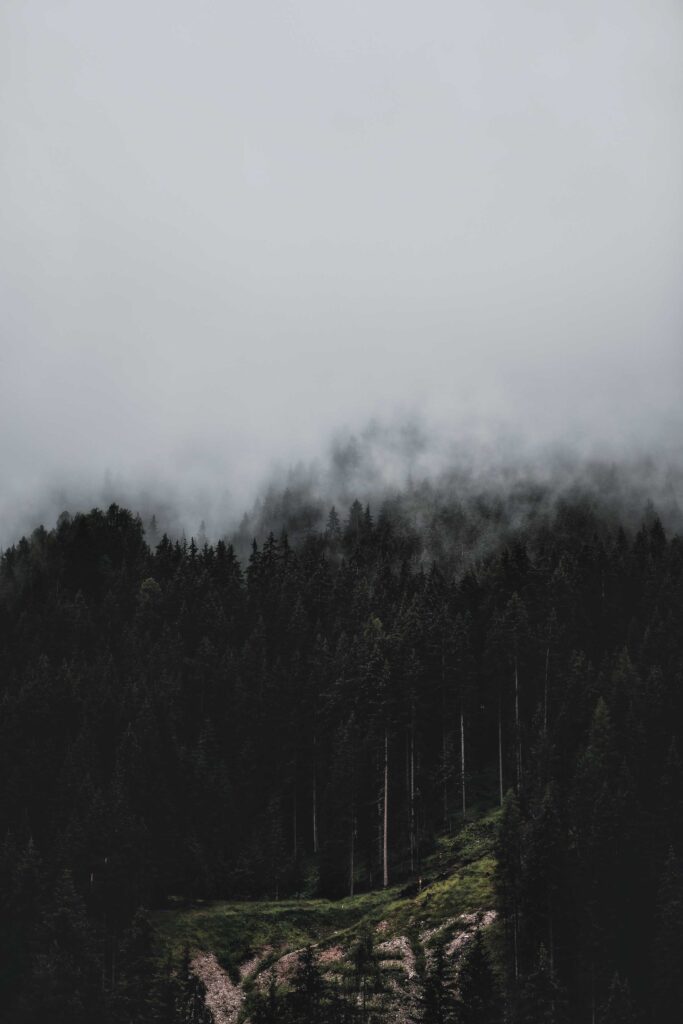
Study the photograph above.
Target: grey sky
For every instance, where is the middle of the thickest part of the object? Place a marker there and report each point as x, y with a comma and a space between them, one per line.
228, 230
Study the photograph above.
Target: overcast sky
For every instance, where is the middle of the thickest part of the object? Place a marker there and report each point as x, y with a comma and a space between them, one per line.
228, 230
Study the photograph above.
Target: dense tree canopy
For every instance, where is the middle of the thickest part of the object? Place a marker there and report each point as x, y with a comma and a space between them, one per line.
176, 722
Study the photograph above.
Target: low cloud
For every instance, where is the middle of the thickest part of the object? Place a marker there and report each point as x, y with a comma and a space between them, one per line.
234, 236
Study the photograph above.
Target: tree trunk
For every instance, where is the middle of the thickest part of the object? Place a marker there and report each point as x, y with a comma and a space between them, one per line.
545, 689
518, 735
551, 939
413, 843
462, 762
385, 839
294, 827
315, 812
515, 941
444, 740
500, 753
352, 867
380, 809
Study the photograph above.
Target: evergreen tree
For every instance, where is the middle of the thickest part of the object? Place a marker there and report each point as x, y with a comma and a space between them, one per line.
437, 1000
668, 977
478, 999
509, 878
308, 996
173, 725
618, 1008
541, 999
365, 981
269, 1008
66, 982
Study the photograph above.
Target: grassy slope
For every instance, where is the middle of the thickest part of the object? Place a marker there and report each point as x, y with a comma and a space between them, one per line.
457, 878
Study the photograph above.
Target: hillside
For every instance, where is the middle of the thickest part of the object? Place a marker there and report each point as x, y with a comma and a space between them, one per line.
238, 947
258, 755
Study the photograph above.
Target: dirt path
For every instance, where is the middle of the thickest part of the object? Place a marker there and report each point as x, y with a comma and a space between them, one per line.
223, 998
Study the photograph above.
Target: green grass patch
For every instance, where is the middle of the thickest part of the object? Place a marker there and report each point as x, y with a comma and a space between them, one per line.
457, 878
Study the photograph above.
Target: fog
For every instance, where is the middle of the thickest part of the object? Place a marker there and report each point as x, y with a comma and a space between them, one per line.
234, 235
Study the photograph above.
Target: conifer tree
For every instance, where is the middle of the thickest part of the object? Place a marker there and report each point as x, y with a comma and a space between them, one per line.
437, 1004
618, 1008
478, 999
668, 977
365, 982
509, 878
541, 1000
308, 996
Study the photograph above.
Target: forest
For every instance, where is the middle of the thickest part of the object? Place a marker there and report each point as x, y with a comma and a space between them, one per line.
180, 721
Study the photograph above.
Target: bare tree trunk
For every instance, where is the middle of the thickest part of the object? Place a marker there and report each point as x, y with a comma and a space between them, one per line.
444, 739
514, 939
385, 838
408, 763
551, 939
518, 736
500, 752
352, 867
352, 864
294, 826
545, 689
380, 810
315, 811
104, 950
412, 795
462, 761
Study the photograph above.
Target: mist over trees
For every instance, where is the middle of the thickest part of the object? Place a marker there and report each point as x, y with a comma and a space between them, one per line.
461, 489
176, 722
357, 328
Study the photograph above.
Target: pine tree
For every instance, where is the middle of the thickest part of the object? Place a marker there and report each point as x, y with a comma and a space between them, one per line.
618, 1008
307, 998
542, 870
509, 878
437, 1000
668, 977
135, 996
66, 985
268, 1007
365, 979
541, 998
333, 530
478, 999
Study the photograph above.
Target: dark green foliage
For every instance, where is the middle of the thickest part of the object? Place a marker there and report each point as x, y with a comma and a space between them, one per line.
437, 998
365, 984
668, 976
268, 1007
509, 879
618, 1008
308, 996
66, 981
478, 998
175, 724
541, 998
134, 997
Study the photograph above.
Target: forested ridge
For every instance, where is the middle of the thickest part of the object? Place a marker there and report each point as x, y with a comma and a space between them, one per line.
176, 722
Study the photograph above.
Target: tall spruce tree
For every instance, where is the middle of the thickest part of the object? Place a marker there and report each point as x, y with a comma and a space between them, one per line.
478, 999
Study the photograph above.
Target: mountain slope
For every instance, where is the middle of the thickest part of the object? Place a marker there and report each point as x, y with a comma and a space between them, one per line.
238, 946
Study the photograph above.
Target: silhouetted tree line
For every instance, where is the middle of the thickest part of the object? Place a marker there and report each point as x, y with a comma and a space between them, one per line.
173, 722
